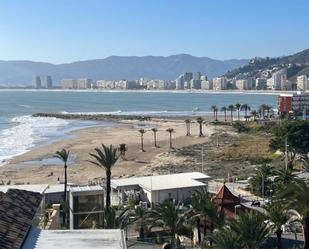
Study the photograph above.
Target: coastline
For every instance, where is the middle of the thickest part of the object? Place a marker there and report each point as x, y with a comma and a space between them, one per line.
271, 92
81, 142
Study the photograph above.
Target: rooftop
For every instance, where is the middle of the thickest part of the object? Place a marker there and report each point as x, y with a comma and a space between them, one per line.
160, 182
17, 211
38, 188
77, 239
86, 188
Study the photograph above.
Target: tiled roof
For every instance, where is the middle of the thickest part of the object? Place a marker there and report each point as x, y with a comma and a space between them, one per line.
17, 210
225, 196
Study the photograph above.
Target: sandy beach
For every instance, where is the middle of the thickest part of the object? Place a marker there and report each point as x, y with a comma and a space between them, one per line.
85, 140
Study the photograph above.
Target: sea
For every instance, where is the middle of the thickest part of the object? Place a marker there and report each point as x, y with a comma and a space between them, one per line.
20, 132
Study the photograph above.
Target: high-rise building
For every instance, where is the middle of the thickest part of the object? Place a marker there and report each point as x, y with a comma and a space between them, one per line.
206, 84
293, 102
302, 83
37, 82
69, 84
180, 82
219, 83
261, 83
195, 84
47, 82
84, 83
245, 84
279, 80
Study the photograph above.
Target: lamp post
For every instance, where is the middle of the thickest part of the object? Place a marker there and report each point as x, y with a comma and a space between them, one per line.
235, 209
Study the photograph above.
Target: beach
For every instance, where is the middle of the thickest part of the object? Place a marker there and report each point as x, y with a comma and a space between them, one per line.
83, 141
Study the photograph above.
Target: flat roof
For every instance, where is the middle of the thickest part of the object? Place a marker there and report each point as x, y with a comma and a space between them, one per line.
75, 239
38, 188
161, 182
86, 188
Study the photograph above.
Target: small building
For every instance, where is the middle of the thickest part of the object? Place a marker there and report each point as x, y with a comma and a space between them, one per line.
227, 203
157, 189
75, 239
86, 207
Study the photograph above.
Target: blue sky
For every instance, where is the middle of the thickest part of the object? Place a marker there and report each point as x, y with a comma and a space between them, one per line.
61, 31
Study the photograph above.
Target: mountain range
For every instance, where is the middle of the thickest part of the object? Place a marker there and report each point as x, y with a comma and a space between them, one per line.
16, 73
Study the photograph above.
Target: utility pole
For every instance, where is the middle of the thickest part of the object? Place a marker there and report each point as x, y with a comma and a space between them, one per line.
286, 153
202, 158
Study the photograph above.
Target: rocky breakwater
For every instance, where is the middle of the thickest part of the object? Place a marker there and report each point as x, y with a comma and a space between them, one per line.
96, 117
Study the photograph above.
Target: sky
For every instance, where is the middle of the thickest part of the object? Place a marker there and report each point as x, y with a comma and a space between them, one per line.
63, 31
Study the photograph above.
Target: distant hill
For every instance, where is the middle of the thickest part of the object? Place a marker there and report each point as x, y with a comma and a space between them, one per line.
297, 64
115, 67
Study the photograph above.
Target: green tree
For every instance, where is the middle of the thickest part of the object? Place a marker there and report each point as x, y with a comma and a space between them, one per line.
170, 131
238, 108
200, 121
260, 183
254, 114
225, 238
188, 126
224, 109
140, 217
155, 130
231, 109
296, 133
142, 132
63, 155
251, 228
278, 216
295, 197
116, 219
106, 158
169, 216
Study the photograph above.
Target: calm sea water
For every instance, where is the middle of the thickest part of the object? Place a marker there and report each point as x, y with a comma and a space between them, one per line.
19, 132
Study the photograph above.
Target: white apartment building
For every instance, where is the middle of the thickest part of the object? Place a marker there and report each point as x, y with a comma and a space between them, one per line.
302, 83
279, 80
219, 83
69, 84
105, 84
206, 84
245, 84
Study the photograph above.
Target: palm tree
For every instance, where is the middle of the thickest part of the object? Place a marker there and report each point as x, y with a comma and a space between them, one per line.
188, 122
215, 111
170, 131
254, 114
142, 132
205, 210
224, 109
268, 109
231, 108
64, 156
155, 130
246, 108
168, 215
200, 121
278, 216
238, 107
225, 238
262, 110
117, 219
251, 228
140, 216
296, 198
106, 157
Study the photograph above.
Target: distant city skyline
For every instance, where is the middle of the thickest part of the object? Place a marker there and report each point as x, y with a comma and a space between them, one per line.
64, 31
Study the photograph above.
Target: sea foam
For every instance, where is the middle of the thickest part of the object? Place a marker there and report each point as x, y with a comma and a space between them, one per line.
27, 132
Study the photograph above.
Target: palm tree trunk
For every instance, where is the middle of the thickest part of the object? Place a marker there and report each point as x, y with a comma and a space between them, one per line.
201, 130
216, 115
108, 189
155, 139
199, 230
246, 114
238, 114
171, 145
279, 235
225, 116
65, 192
188, 129
142, 142
232, 116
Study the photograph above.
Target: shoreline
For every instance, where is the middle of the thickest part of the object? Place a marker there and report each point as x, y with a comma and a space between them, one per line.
261, 92
82, 141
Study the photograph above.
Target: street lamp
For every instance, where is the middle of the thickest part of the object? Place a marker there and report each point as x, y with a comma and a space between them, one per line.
235, 209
